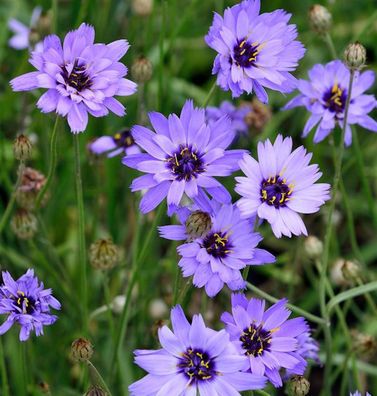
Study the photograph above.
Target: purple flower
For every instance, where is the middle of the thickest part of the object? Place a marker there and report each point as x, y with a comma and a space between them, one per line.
268, 338
217, 257
21, 38
281, 185
325, 96
193, 360
357, 393
236, 114
121, 142
27, 303
254, 51
81, 77
183, 155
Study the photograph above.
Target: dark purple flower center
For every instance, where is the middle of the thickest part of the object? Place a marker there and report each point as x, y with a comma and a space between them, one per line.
197, 365
124, 139
335, 98
25, 303
217, 244
275, 191
186, 163
245, 54
78, 78
255, 340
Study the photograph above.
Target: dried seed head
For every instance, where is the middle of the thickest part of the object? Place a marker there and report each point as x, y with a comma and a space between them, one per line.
44, 387
355, 56
158, 309
32, 183
118, 303
142, 69
298, 386
198, 224
320, 19
259, 115
313, 247
364, 344
351, 270
81, 350
142, 7
103, 254
96, 391
24, 224
22, 148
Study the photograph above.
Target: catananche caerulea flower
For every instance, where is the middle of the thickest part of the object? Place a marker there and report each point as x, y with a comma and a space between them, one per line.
325, 96
268, 338
236, 114
357, 393
21, 38
280, 186
193, 360
216, 256
27, 303
254, 51
121, 142
81, 77
183, 155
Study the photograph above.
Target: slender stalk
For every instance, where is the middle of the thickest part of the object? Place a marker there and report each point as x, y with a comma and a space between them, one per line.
81, 236
268, 297
326, 250
8, 209
3, 371
106, 290
54, 7
97, 377
51, 170
209, 96
330, 45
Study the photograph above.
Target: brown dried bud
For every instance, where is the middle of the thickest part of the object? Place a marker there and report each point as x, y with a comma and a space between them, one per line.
22, 148
44, 387
313, 247
103, 254
96, 391
355, 56
142, 7
298, 386
81, 350
259, 115
364, 344
351, 270
320, 19
198, 224
32, 183
24, 224
141, 70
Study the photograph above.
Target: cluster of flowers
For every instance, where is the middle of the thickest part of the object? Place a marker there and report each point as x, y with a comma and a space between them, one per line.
253, 349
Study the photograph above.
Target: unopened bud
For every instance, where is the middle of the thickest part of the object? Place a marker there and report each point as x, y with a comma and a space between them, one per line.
32, 183
142, 69
44, 387
313, 247
96, 391
103, 254
351, 270
22, 148
355, 56
298, 386
81, 350
198, 224
158, 309
320, 19
364, 344
259, 115
118, 303
24, 224
142, 7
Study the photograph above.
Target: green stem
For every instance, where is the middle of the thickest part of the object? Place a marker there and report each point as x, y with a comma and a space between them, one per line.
12, 200
268, 297
106, 290
51, 170
3, 370
98, 379
210, 93
81, 236
326, 250
331, 45
54, 7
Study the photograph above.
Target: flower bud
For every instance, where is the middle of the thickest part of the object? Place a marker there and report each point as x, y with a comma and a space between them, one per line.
142, 69
364, 345
32, 183
351, 270
103, 254
320, 19
198, 224
96, 391
118, 303
142, 7
24, 224
44, 387
81, 350
259, 115
158, 309
355, 56
22, 148
298, 386
313, 247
